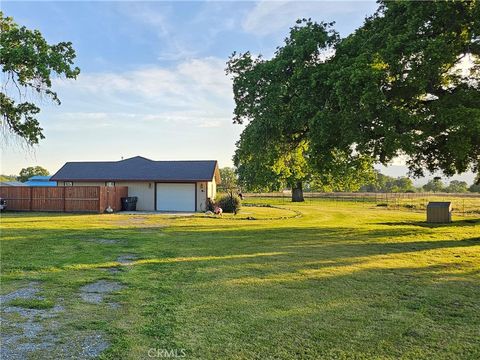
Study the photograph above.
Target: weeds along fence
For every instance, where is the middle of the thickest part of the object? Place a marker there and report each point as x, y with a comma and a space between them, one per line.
466, 204
94, 199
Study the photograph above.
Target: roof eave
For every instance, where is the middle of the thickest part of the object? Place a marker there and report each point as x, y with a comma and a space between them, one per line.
151, 180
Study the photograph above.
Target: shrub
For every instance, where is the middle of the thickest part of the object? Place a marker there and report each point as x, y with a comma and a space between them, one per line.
229, 203
210, 205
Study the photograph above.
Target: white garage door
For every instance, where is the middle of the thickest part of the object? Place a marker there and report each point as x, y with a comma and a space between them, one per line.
175, 197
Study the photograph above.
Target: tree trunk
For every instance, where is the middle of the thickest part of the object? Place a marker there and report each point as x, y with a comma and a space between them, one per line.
297, 192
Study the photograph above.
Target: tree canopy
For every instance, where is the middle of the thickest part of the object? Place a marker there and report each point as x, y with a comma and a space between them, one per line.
474, 188
457, 186
324, 109
30, 171
229, 180
407, 82
28, 62
434, 185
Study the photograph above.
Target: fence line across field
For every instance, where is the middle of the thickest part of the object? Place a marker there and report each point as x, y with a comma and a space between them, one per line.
467, 204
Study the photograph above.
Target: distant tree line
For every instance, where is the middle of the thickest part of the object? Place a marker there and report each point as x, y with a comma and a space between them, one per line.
25, 174
379, 183
385, 183
455, 186
403, 184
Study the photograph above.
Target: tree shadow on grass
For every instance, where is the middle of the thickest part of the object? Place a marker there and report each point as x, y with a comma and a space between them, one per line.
363, 307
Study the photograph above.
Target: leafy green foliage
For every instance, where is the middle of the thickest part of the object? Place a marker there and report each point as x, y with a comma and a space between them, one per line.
229, 180
28, 62
275, 98
396, 87
210, 205
434, 185
230, 203
457, 186
30, 171
385, 183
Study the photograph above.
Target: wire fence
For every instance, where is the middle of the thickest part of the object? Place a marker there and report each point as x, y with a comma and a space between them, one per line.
465, 204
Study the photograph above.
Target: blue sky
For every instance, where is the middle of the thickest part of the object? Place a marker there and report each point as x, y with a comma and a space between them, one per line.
152, 79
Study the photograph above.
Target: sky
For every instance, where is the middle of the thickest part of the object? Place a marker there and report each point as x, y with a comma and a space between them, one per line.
152, 79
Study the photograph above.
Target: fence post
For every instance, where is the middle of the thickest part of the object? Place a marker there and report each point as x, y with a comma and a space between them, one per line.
64, 207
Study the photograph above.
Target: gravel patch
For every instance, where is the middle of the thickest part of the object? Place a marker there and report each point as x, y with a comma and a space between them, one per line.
23, 350
104, 241
28, 292
93, 346
113, 270
21, 338
114, 305
127, 259
36, 333
95, 292
85, 346
93, 298
34, 313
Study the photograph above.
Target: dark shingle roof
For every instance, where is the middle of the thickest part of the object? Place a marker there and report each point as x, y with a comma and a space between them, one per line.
138, 168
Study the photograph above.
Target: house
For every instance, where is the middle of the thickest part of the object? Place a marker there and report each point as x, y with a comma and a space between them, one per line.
39, 180
159, 185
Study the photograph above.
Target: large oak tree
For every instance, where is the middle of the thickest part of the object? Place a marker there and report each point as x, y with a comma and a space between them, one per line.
405, 83
275, 99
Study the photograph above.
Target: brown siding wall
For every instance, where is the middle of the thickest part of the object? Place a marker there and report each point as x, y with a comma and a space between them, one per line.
64, 199
144, 190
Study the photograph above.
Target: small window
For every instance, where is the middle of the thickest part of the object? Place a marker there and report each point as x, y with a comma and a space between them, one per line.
110, 183
68, 183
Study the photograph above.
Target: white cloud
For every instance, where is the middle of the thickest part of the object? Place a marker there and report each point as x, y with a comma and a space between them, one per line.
79, 121
156, 17
268, 17
193, 84
195, 93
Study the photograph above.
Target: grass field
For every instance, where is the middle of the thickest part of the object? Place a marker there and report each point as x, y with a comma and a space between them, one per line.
318, 280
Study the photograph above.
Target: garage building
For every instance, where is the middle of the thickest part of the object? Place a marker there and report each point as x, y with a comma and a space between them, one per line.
159, 185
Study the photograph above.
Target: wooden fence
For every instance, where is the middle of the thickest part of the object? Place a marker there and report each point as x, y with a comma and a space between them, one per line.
63, 198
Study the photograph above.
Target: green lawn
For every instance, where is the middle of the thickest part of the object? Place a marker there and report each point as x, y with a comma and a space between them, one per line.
319, 280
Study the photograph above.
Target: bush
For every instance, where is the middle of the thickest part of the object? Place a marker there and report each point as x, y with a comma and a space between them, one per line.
229, 203
210, 205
